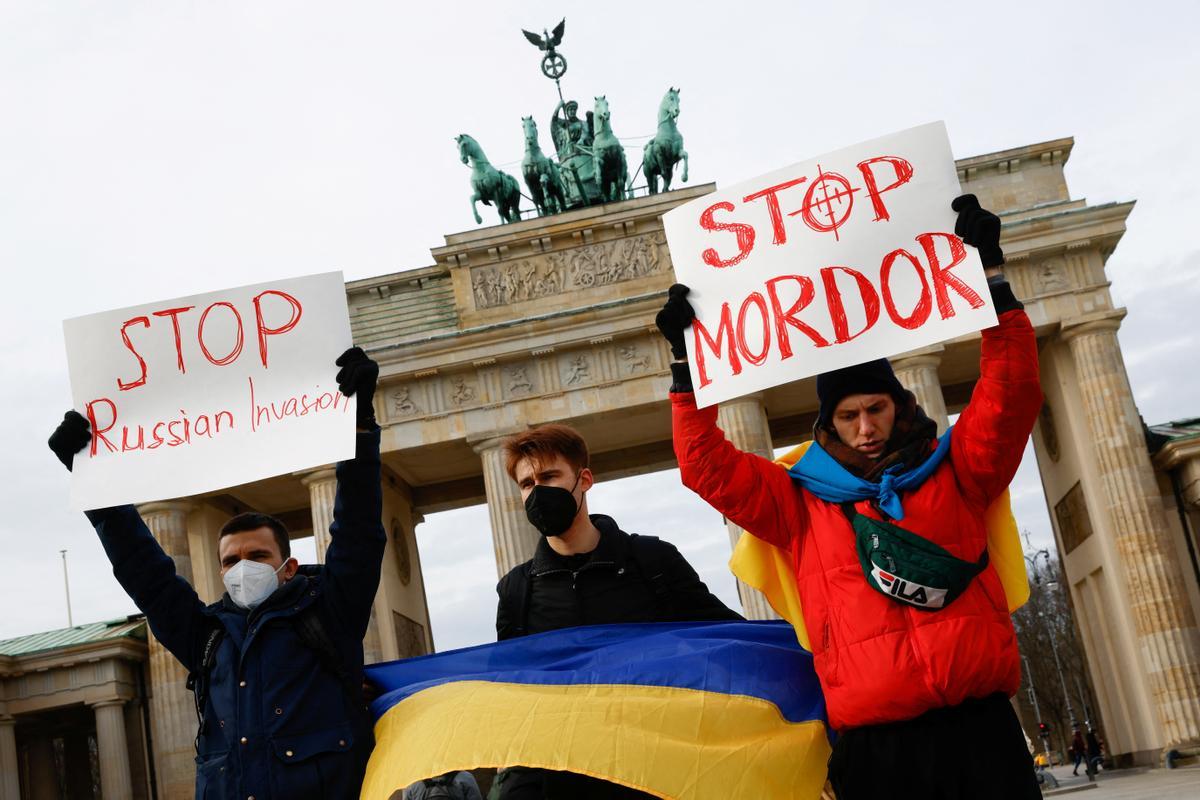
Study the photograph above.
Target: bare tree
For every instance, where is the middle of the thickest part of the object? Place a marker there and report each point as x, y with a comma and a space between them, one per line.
1046, 628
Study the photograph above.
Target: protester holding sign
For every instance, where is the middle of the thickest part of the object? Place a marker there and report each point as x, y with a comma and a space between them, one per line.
276, 664
884, 526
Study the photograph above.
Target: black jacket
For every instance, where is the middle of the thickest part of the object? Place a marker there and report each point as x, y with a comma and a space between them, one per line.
278, 723
627, 578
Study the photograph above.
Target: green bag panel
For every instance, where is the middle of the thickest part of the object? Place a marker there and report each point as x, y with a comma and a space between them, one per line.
909, 568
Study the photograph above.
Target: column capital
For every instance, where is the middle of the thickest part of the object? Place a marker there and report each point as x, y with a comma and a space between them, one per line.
317, 475
753, 397
167, 507
916, 361
108, 703
490, 440
1099, 323
7, 719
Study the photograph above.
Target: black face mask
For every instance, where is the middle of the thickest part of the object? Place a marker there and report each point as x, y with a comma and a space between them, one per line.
552, 509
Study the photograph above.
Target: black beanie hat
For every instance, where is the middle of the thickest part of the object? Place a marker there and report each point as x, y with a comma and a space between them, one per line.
873, 377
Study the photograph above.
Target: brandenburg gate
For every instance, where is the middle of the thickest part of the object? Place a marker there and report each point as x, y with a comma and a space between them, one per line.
552, 319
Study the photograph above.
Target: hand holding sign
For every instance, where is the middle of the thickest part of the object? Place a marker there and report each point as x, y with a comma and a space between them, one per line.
979, 228
806, 270
675, 318
357, 377
70, 437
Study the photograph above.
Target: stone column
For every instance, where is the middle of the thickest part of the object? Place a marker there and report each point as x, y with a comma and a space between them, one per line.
512, 536
1155, 588
322, 488
172, 710
115, 776
10, 783
744, 421
918, 374
322, 491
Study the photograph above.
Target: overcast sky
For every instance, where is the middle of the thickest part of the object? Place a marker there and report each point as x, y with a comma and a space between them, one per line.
151, 150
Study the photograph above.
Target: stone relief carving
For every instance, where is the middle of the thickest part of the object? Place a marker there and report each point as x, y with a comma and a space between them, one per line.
519, 382
633, 361
1052, 276
461, 392
402, 403
577, 372
515, 283
432, 396
580, 268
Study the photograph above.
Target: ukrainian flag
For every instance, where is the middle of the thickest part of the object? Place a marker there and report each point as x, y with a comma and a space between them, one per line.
679, 710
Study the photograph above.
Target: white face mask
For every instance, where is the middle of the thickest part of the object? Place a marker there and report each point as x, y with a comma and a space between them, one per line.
251, 582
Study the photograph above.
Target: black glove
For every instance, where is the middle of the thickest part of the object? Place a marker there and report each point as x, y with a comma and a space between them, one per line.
72, 435
979, 228
675, 316
358, 376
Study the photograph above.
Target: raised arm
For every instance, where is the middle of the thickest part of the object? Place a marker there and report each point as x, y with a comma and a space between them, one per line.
357, 537
989, 438
753, 492
145, 572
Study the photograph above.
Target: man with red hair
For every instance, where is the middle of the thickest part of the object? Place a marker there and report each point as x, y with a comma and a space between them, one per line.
584, 571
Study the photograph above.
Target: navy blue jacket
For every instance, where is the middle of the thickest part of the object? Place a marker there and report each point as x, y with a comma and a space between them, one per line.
278, 723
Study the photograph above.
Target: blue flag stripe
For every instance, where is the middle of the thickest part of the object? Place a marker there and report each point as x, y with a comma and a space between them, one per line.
753, 659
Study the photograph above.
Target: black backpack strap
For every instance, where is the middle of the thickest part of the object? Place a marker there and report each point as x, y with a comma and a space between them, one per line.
198, 678
646, 552
516, 590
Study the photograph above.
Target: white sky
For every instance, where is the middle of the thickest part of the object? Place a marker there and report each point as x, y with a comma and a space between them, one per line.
150, 150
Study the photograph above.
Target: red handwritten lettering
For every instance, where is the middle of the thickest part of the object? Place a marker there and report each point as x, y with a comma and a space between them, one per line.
757, 301
835, 208
745, 236
724, 334
98, 432
785, 318
174, 313
237, 347
903, 171
837, 310
942, 279
264, 330
141, 381
921, 310
771, 193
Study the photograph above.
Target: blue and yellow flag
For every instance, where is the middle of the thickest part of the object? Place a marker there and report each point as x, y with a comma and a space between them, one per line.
679, 710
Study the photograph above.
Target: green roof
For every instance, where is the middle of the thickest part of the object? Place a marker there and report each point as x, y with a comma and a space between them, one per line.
133, 627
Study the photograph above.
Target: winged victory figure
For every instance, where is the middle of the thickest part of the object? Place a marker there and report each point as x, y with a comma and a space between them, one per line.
547, 41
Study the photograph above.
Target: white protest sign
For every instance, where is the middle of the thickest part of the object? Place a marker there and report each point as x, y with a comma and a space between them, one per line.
830, 262
196, 394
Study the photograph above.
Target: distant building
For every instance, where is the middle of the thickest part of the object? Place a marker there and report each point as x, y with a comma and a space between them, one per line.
74, 717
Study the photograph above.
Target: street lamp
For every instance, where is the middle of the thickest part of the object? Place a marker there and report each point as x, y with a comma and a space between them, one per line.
1043, 734
1058, 666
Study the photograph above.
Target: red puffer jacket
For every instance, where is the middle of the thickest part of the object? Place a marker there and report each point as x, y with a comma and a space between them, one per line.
879, 660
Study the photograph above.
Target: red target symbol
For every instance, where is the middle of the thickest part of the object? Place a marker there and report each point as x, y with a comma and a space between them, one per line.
827, 203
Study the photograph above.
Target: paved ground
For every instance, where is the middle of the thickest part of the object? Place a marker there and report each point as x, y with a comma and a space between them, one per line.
1134, 784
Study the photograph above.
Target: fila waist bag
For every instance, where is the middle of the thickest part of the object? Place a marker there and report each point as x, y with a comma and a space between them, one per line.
908, 568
